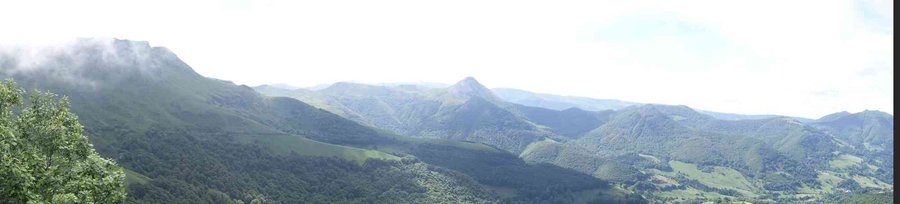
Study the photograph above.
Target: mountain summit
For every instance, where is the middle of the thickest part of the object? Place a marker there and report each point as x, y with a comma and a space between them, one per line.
469, 87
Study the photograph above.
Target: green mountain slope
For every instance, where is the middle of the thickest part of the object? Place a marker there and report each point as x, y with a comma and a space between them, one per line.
571, 123
772, 158
873, 129
185, 138
667, 152
870, 134
464, 111
198, 140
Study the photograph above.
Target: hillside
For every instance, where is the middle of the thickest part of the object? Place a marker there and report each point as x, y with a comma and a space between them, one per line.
204, 140
665, 152
771, 158
866, 129
870, 134
464, 111
185, 138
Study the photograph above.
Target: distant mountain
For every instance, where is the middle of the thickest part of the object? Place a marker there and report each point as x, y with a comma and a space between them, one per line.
185, 138
557, 102
470, 88
284, 86
643, 145
464, 111
658, 149
316, 87
870, 137
313, 98
395, 84
833, 116
570, 123
467, 92
870, 134
420, 84
636, 145
733, 116
866, 129
661, 149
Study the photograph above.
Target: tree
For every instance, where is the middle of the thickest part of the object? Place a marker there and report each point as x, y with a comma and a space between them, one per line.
45, 156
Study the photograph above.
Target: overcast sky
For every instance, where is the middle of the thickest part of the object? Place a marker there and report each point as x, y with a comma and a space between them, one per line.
798, 58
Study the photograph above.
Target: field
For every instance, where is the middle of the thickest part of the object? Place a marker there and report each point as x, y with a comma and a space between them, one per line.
538, 145
828, 180
286, 144
689, 193
719, 177
650, 157
132, 177
844, 161
869, 182
595, 195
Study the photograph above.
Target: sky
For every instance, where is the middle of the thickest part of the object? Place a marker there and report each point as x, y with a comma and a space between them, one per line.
796, 58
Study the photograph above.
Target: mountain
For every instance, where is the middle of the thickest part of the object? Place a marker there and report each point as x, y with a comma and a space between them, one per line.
732, 116
667, 152
570, 123
870, 136
195, 139
420, 84
284, 86
557, 102
465, 111
470, 88
874, 129
313, 98
317, 87
833, 116
185, 138
661, 148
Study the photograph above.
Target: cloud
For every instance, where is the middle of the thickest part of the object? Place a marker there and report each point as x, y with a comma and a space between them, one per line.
82, 62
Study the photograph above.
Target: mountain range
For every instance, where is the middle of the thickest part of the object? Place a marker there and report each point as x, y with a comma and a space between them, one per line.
666, 149
186, 138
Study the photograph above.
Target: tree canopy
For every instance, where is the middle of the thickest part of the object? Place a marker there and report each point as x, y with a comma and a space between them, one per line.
46, 158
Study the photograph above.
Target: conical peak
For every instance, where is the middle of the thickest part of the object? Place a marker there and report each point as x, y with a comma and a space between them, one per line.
468, 81
469, 86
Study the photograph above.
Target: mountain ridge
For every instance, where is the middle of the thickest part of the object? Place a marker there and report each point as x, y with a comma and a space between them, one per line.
186, 138
179, 130
610, 144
